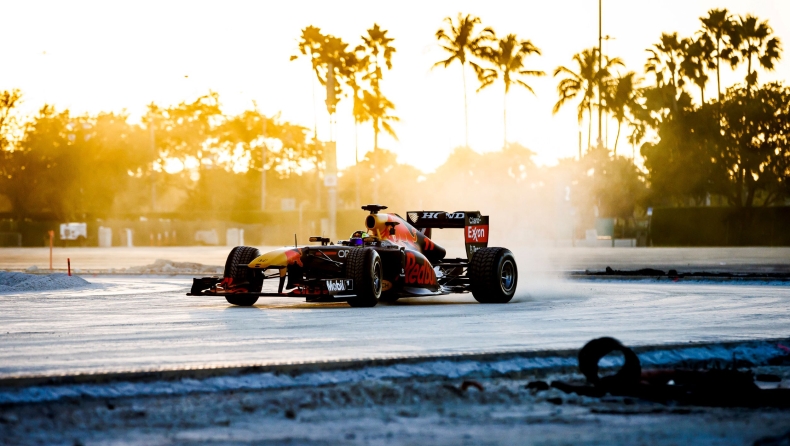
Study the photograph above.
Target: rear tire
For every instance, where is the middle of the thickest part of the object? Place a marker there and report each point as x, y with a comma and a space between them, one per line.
243, 276
363, 266
493, 275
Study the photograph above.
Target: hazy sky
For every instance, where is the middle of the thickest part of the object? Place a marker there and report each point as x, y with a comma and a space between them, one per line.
92, 56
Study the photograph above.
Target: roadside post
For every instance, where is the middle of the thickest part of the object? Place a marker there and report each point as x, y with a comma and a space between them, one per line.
51, 237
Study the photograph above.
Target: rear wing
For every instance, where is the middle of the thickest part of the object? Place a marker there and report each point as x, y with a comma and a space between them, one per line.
474, 224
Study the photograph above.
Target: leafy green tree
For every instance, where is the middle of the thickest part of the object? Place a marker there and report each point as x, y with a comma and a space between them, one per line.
612, 184
737, 149
185, 131
507, 60
678, 163
73, 166
755, 145
753, 40
717, 28
286, 145
9, 125
461, 42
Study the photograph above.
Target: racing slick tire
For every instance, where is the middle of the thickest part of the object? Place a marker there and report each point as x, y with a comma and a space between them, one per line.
363, 266
241, 275
493, 275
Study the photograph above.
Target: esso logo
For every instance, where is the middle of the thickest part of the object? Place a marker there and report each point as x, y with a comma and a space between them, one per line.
342, 253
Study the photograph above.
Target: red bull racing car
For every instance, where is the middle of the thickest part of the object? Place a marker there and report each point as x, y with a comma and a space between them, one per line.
392, 258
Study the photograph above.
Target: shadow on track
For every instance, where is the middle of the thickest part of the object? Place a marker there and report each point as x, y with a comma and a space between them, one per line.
405, 302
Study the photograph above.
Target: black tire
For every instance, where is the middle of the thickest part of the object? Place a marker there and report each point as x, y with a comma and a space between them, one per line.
243, 276
493, 275
363, 266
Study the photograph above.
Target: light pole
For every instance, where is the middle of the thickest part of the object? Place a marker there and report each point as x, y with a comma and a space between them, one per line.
600, 58
153, 172
263, 165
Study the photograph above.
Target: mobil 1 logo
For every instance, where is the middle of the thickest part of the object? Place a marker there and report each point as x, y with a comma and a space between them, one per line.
335, 286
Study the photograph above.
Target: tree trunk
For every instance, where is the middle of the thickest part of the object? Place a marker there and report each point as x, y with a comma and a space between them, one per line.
376, 157
749, 75
589, 126
718, 72
504, 116
600, 117
375, 135
356, 161
751, 188
466, 108
617, 138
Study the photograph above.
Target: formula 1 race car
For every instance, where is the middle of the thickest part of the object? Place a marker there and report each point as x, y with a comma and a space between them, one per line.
392, 258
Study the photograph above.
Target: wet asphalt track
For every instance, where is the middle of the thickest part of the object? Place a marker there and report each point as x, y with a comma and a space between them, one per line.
130, 323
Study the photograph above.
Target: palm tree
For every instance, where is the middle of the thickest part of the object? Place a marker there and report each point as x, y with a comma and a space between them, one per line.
507, 61
664, 60
578, 83
621, 97
715, 27
310, 45
664, 63
377, 50
359, 112
378, 109
698, 58
753, 40
584, 82
375, 53
461, 41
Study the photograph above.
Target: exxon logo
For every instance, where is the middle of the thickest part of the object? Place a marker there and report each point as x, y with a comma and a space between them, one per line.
477, 234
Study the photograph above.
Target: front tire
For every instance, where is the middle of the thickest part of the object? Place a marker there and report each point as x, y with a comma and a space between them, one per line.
493, 275
363, 266
242, 276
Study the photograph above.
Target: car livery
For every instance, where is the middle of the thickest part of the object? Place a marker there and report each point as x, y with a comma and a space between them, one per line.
395, 258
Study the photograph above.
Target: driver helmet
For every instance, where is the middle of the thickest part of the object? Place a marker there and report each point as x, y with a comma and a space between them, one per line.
357, 237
